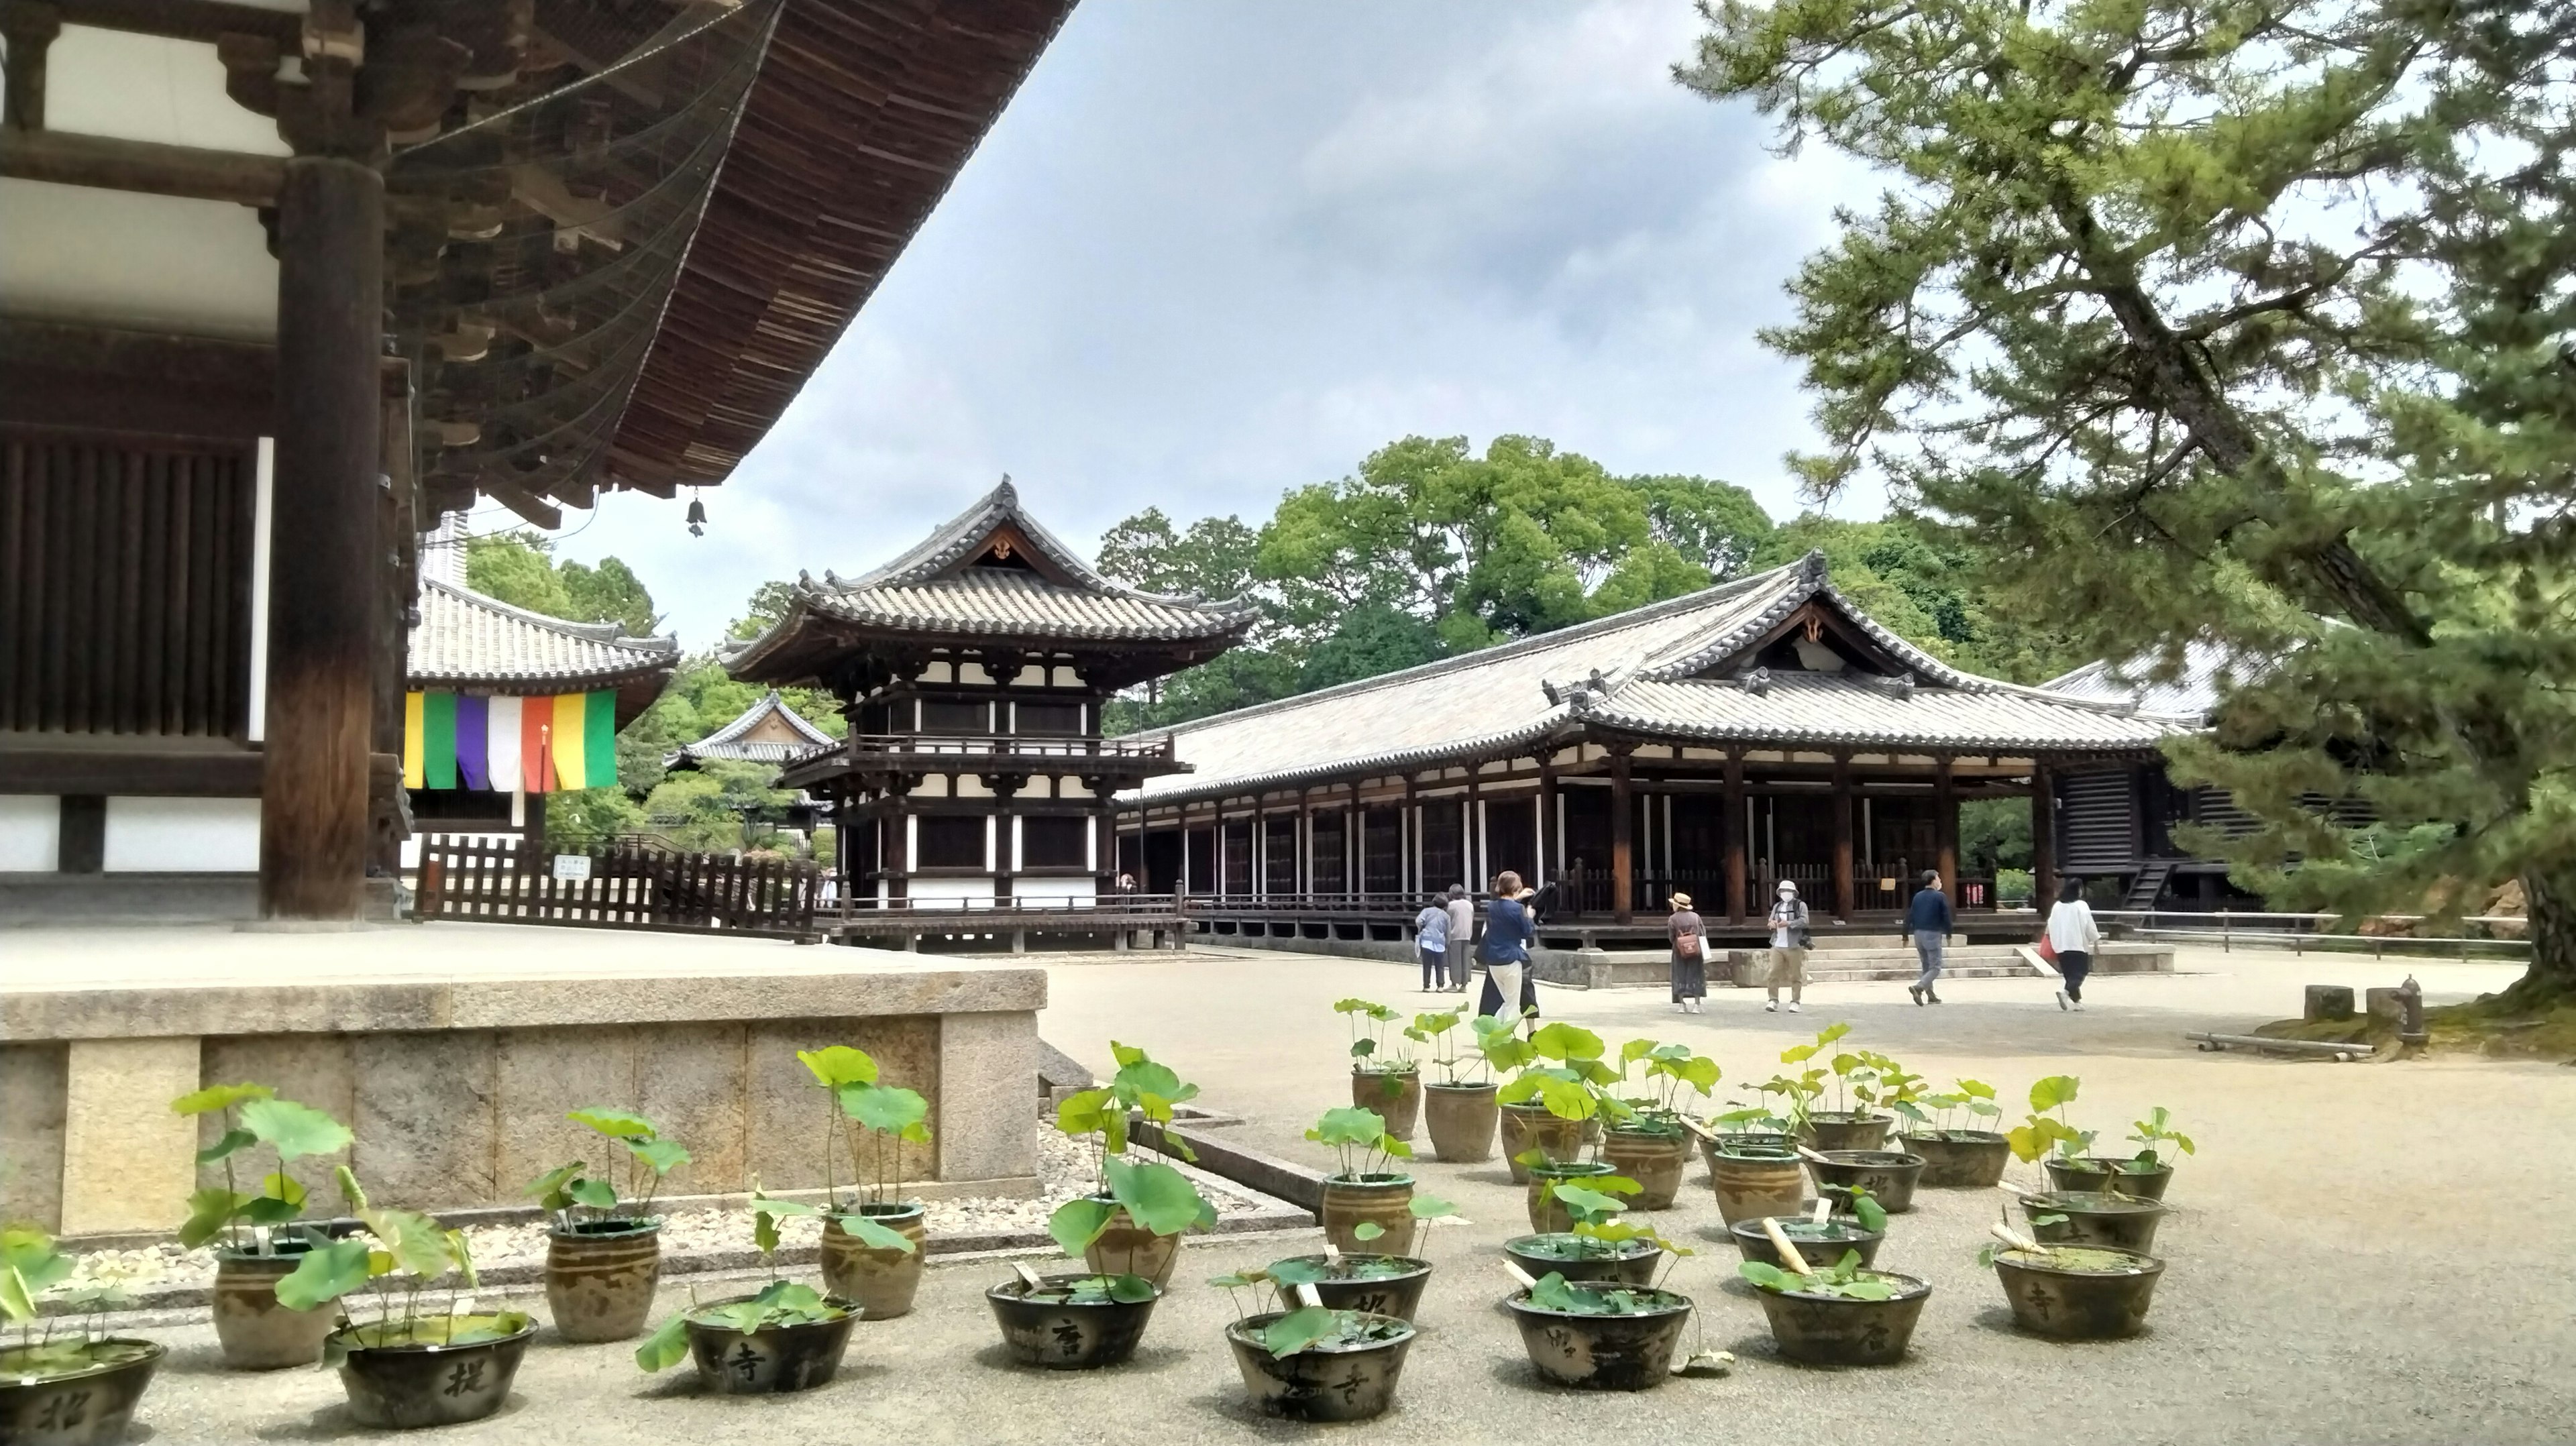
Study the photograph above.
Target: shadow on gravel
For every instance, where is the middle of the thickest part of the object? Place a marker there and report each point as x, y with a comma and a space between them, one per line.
1148, 1360
334, 1423
681, 1383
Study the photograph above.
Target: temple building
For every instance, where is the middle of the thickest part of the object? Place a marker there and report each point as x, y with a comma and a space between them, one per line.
1761, 730
766, 732
972, 670
506, 706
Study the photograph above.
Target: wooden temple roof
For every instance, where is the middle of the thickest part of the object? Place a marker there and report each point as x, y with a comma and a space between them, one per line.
1688, 670
766, 732
467, 640
991, 574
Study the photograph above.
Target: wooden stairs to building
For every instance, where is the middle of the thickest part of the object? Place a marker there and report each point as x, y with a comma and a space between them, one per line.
2149, 885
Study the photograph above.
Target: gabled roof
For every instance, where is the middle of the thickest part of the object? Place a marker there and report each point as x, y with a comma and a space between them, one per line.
991, 572
733, 744
2207, 668
1646, 672
466, 639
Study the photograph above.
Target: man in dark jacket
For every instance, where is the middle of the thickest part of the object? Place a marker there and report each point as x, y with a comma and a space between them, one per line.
1927, 921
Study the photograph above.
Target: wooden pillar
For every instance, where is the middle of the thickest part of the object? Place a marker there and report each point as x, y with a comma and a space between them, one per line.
896, 859
1006, 790
1305, 842
28, 30
1945, 828
1543, 857
1844, 898
1408, 828
1471, 837
1733, 833
1623, 827
322, 577
2043, 838
389, 819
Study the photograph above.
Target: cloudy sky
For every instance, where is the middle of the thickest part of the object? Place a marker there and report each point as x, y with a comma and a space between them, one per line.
1212, 252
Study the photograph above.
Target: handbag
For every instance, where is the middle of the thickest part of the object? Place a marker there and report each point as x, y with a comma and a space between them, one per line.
1687, 946
2046, 950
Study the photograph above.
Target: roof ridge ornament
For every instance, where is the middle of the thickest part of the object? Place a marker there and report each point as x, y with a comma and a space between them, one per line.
1812, 568
1901, 685
1007, 495
1756, 681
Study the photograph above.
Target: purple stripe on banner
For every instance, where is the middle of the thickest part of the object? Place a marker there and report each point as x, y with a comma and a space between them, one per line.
473, 729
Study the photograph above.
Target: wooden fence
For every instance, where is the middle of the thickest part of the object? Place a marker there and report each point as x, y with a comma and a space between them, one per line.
496, 881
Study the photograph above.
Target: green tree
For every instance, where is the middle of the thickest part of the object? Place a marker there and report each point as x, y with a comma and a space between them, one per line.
2233, 321
1372, 639
1211, 558
518, 568
608, 593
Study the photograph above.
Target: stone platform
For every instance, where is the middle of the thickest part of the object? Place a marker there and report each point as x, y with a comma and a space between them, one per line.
453, 1050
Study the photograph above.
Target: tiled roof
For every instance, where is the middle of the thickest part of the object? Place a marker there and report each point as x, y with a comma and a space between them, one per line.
2206, 667
728, 744
927, 590
464, 637
1636, 672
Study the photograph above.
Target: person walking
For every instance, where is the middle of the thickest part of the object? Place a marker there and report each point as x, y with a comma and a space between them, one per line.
1462, 935
1690, 955
1789, 941
1431, 940
1927, 922
1505, 947
2075, 937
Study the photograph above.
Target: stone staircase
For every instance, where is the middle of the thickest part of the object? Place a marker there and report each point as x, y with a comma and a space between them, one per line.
1854, 961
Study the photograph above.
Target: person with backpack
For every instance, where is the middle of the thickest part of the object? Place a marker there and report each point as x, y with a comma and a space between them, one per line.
1431, 941
1690, 955
1927, 924
1789, 940
2075, 938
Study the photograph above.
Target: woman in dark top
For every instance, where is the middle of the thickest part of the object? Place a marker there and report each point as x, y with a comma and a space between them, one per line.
1690, 956
1505, 948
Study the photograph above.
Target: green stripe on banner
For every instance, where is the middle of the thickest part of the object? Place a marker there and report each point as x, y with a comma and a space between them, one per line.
438, 740
599, 739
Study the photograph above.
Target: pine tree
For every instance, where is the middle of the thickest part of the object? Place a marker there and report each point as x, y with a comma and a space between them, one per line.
2236, 322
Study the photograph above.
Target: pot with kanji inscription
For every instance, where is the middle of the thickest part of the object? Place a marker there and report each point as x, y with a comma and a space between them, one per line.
1073, 1322
773, 1360
435, 1371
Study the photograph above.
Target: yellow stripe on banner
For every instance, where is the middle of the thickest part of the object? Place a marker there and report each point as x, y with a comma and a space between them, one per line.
567, 741
412, 766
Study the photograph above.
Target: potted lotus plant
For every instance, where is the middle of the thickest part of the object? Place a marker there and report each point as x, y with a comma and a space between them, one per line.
603, 1243
1652, 1145
1314, 1362
1956, 1153
1845, 1314
1605, 1334
1131, 1224
1852, 1222
2144, 1174
1458, 1111
257, 1242
2072, 1292
872, 1250
75, 1387
1384, 1077
1595, 1245
2108, 1218
786, 1336
1367, 1279
1850, 1123
413, 1363
1363, 1188
1553, 1107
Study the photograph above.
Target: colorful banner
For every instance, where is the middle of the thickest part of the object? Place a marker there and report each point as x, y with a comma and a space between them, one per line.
466, 740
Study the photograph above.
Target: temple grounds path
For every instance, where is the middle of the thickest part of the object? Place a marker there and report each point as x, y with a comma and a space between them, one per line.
2360, 1252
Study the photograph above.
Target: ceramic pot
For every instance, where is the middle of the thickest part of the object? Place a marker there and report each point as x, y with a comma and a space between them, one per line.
1821, 1245
1064, 1335
1461, 1121
87, 1407
257, 1333
1529, 1125
771, 1361
1849, 1130
2113, 1222
1960, 1159
1127, 1248
2095, 1174
1547, 1214
1395, 1094
2078, 1305
1753, 1181
880, 1282
1887, 1175
407, 1386
1350, 1200
600, 1277
1324, 1382
1835, 1331
1603, 1352
1652, 1158
1398, 1295
1631, 1262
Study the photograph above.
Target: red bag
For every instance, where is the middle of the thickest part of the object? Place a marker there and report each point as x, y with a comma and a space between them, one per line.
2047, 950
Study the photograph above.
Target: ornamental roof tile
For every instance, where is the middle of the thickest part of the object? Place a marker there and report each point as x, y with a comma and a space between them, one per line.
466, 638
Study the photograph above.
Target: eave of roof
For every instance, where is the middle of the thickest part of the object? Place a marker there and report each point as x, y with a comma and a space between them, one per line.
468, 638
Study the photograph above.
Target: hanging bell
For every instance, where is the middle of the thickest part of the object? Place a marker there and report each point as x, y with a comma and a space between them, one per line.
697, 518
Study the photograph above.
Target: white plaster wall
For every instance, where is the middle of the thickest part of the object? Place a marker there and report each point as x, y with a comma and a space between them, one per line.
31, 833
183, 835
977, 892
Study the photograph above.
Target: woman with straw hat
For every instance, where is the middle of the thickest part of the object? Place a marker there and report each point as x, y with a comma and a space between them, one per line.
1690, 956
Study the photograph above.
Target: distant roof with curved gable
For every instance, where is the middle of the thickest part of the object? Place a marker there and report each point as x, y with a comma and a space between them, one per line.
992, 573
1685, 670
466, 638
766, 732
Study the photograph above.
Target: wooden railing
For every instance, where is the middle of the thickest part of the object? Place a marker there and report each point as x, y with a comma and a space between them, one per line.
512, 883
986, 745
2299, 933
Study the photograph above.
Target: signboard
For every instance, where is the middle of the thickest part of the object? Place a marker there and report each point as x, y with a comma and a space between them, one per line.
572, 868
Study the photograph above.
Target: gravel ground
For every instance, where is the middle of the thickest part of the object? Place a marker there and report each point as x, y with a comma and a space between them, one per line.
2318, 1289
1065, 1169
